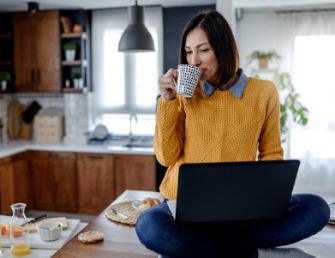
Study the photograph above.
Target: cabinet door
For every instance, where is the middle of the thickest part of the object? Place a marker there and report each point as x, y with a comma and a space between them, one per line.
22, 178
135, 172
42, 181
37, 51
14, 183
6, 185
63, 165
23, 48
47, 51
95, 182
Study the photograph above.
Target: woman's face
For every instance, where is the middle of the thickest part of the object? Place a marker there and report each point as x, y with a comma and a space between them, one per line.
200, 53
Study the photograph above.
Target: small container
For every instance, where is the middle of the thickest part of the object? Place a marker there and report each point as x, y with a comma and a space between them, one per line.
49, 230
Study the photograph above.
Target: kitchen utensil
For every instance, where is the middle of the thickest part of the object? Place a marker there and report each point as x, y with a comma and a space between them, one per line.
118, 213
36, 219
188, 77
29, 113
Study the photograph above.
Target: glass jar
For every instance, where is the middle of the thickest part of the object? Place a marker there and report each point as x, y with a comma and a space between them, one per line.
19, 231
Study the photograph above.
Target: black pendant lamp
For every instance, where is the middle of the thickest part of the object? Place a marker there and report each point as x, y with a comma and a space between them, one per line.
33, 7
136, 37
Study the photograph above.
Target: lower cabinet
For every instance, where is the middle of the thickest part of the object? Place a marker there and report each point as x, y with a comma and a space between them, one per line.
64, 167
54, 181
83, 183
14, 178
42, 181
135, 172
96, 185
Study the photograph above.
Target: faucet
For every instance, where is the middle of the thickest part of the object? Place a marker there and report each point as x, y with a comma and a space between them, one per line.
131, 117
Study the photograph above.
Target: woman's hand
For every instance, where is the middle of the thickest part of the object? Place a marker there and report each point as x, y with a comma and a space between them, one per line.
166, 84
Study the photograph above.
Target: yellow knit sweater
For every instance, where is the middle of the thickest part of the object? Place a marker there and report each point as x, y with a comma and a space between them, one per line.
217, 128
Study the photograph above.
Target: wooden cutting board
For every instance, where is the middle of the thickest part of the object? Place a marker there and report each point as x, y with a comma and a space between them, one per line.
14, 120
63, 220
16, 128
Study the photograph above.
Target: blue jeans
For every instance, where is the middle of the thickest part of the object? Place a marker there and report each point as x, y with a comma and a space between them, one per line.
158, 231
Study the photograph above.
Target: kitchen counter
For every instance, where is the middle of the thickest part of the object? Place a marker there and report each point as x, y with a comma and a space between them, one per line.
14, 147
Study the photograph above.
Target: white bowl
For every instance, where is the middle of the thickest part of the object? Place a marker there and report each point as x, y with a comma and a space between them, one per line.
49, 230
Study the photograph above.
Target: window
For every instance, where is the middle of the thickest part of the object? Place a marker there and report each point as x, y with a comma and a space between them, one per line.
125, 83
314, 81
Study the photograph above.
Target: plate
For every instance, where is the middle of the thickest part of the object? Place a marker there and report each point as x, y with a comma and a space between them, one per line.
136, 205
100, 132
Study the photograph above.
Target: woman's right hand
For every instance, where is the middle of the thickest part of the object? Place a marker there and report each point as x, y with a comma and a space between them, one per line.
166, 84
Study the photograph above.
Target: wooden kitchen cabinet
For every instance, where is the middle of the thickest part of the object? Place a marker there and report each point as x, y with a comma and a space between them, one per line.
135, 172
14, 184
6, 185
37, 51
54, 181
96, 185
42, 181
64, 181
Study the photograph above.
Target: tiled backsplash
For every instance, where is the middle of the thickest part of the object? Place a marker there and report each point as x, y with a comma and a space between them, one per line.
76, 109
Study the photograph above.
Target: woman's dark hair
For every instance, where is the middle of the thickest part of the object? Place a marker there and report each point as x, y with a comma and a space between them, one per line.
221, 39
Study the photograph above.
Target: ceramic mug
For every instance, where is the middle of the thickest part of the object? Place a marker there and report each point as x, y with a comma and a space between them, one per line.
188, 77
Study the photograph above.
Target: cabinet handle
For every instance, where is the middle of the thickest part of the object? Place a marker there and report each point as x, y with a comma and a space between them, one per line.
94, 157
38, 75
32, 75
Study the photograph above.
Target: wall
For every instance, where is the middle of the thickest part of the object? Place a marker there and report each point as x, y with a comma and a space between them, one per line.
76, 108
174, 21
255, 31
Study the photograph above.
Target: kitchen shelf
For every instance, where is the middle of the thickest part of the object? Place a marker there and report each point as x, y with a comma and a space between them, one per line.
73, 35
72, 90
5, 37
6, 63
72, 63
81, 62
6, 49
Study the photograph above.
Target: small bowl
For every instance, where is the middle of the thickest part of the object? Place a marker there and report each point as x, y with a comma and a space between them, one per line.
49, 230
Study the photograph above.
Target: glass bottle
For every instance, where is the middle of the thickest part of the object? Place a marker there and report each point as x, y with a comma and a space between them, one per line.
19, 231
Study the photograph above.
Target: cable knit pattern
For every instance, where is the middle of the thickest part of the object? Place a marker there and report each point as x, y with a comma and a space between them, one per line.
217, 128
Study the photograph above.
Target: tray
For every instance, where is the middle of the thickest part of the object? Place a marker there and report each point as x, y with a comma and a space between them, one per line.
36, 242
123, 212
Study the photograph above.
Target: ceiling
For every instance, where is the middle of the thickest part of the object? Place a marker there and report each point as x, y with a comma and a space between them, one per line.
22, 5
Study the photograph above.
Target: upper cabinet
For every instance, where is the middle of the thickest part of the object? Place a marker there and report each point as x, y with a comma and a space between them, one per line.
37, 51
75, 50
6, 53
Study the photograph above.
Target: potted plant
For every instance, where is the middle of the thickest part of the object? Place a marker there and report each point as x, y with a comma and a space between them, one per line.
4, 79
70, 50
263, 57
77, 79
290, 106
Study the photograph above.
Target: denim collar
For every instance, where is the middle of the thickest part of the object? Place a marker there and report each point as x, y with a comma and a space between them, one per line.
237, 89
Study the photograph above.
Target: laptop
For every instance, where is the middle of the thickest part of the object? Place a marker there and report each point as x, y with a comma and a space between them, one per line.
234, 191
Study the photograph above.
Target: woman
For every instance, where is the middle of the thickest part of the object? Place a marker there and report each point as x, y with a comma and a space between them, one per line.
230, 117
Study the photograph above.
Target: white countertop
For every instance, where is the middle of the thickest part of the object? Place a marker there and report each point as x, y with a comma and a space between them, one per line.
14, 147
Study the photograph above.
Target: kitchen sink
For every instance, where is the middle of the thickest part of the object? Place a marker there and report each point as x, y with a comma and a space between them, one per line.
139, 143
